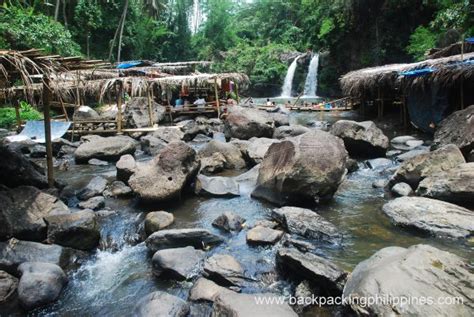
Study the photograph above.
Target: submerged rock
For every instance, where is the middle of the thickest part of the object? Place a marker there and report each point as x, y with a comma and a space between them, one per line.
40, 284
22, 212
78, 230
306, 223
263, 235
207, 290
307, 168
457, 129
117, 189
178, 263
247, 123
420, 271
166, 175
455, 185
95, 187
431, 216
161, 304
175, 238
245, 305
229, 221
323, 273
413, 170
224, 269
107, 149
157, 220
361, 138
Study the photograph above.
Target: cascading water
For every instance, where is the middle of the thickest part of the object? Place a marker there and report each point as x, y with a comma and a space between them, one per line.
311, 84
288, 83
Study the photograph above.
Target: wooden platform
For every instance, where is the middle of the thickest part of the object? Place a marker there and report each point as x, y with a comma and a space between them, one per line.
317, 109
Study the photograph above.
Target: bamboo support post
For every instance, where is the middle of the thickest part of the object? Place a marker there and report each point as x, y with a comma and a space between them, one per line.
237, 93
217, 99
64, 108
150, 103
47, 130
119, 107
18, 117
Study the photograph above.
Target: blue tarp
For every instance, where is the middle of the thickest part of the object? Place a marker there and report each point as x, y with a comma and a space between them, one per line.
470, 40
417, 72
129, 64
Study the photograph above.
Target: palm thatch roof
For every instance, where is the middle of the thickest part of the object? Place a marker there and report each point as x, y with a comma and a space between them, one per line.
444, 71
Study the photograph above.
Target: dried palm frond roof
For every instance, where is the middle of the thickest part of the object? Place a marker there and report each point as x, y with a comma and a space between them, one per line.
444, 71
453, 49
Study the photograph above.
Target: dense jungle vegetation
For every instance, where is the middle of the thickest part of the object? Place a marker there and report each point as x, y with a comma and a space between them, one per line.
258, 37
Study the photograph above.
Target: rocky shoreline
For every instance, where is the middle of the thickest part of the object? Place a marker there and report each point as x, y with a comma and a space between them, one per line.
294, 168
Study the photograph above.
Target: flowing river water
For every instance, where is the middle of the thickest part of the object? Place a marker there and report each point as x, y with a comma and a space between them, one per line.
112, 280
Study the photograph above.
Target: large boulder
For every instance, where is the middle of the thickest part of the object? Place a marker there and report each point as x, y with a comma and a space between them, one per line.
306, 223
85, 113
176, 238
212, 164
216, 186
307, 168
125, 166
164, 177
307, 266
361, 138
17, 170
107, 149
457, 129
415, 169
95, 187
161, 304
455, 185
137, 113
419, 272
224, 269
14, 252
289, 131
248, 305
8, 286
247, 123
157, 220
431, 216
177, 263
232, 154
258, 147
40, 284
22, 212
78, 230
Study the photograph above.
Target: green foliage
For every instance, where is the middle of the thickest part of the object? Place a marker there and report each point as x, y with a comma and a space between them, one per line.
27, 112
23, 29
326, 27
421, 41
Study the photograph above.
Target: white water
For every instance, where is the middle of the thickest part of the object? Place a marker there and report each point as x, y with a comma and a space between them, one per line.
288, 83
311, 84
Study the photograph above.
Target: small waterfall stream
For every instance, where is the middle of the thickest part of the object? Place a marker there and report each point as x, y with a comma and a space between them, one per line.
288, 83
311, 84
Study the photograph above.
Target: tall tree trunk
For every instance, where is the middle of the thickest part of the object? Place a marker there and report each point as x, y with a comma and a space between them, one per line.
119, 26
125, 8
56, 10
64, 14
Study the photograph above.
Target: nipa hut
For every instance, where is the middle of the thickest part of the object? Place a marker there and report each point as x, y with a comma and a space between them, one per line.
425, 91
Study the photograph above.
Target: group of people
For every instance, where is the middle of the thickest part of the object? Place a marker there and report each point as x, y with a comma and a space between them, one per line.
201, 102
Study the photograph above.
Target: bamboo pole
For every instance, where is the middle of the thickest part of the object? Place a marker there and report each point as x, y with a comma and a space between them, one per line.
119, 107
47, 130
297, 99
217, 99
18, 117
150, 111
237, 93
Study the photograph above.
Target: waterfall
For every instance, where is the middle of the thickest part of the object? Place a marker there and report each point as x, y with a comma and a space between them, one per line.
288, 83
311, 84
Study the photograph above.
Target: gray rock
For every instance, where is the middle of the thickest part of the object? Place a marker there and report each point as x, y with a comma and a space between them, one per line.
414, 170
420, 271
457, 129
402, 139
307, 223
38, 151
431, 216
14, 252
216, 186
206, 290
303, 290
224, 269
97, 162
107, 149
258, 147
247, 123
352, 165
137, 113
229, 221
455, 185
232, 154
175, 238
380, 183
289, 131
22, 211
410, 154
279, 119
40, 284
166, 175
379, 163
212, 164
307, 168
263, 235
152, 145
161, 304
402, 189
126, 166
85, 113
414, 143
246, 305
117, 189
168, 134
361, 138
392, 153
266, 223
324, 273
94, 203
95, 187
157, 220
179, 263
8, 286
78, 230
